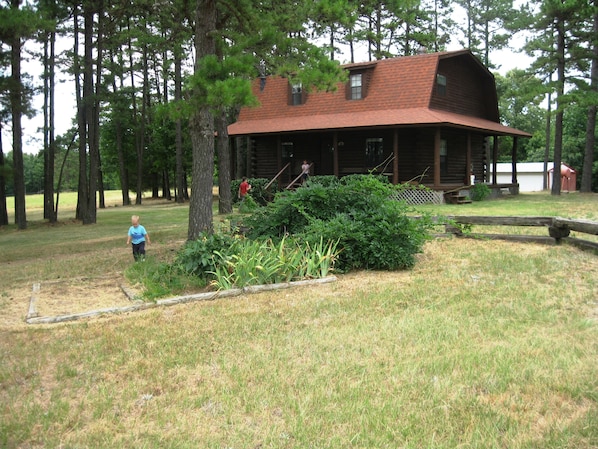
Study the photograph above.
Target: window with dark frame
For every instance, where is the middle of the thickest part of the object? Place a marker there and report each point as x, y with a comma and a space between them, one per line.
296, 94
441, 85
443, 157
356, 81
374, 151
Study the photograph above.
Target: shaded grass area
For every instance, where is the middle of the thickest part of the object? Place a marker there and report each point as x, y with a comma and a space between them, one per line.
481, 345
476, 347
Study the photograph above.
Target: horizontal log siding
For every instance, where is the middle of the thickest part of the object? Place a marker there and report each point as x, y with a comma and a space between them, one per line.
351, 154
264, 158
466, 92
478, 152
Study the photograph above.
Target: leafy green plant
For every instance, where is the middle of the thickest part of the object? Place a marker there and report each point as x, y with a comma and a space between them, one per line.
258, 191
248, 205
160, 279
267, 262
479, 192
372, 230
198, 256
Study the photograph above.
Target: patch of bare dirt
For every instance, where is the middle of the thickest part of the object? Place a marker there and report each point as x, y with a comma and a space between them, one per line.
64, 297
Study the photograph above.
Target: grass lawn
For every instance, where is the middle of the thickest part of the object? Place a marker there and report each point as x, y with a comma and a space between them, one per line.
484, 344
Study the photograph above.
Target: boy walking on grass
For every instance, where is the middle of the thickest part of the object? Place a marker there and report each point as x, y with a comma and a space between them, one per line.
137, 236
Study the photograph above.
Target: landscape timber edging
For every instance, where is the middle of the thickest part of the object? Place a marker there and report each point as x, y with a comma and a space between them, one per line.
34, 318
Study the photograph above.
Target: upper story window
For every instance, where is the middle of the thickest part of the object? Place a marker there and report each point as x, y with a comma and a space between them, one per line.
441, 85
356, 83
296, 94
360, 76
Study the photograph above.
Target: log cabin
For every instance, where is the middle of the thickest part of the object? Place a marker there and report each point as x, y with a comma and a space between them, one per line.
430, 118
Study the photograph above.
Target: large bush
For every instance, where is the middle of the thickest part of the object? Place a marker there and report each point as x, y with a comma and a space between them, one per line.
374, 231
258, 190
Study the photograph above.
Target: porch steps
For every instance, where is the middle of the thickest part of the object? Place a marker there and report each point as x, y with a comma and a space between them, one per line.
456, 198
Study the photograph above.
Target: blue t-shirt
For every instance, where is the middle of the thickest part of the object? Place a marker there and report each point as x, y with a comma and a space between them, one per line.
137, 234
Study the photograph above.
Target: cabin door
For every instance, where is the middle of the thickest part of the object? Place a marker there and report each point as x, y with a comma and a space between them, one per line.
326, 164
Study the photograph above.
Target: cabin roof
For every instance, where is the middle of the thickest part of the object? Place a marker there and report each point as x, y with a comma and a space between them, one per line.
399, 92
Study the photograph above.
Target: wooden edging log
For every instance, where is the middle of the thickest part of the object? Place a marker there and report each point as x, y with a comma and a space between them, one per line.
33, 318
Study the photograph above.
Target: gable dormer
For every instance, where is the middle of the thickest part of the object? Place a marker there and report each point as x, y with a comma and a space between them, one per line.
297, 95
360, 76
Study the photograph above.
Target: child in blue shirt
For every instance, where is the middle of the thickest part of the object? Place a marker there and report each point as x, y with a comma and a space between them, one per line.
138, 236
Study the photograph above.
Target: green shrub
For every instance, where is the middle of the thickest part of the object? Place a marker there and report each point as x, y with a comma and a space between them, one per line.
479, 192
384, 238
248, 205
197, 257
292, 211
372, 230
259, 262
324, 180
258, 190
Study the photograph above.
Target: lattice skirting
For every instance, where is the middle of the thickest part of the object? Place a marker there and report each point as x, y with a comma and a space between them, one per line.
420, 196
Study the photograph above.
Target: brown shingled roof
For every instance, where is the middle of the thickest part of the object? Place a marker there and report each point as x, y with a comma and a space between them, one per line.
399, 94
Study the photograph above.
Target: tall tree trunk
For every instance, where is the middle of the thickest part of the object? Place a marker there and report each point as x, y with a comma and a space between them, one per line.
82, 192
178, 84
118, 125
558, 125
3, 210
225, 201
142, 123
16, 106
201, 126
588, 160
138, 143
548, 134
89, 101
49, 115
96, 106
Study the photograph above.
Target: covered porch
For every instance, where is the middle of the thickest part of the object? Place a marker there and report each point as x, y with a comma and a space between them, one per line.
442, 158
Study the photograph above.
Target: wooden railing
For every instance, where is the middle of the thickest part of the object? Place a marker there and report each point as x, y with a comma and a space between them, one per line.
294, 181
559, 229
277, 175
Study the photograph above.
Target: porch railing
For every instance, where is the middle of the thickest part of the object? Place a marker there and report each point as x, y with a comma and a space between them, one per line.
277, 175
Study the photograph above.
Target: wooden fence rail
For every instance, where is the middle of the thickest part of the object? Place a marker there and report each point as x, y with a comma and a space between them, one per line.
559, 229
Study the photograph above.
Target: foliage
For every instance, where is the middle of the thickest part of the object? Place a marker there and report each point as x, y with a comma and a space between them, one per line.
479, 192
197, 257
160, 279
265, 262
373, 230
226, 261
248, 205
258, 191
323, 180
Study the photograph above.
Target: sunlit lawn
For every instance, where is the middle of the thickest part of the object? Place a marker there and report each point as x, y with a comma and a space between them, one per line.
483, 344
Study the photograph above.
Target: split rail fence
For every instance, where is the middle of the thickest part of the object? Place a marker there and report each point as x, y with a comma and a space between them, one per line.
559, 229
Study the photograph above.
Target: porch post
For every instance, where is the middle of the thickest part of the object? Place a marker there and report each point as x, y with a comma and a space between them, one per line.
335, 153
437, 158
494, 159
278, 153
248, 164
468, 170
514, 161
395, 162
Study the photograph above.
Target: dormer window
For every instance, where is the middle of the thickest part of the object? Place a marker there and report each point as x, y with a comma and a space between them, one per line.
441, 85
297, 95
356, 83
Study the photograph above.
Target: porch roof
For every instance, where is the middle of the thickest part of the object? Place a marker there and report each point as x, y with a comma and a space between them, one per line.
412, 117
